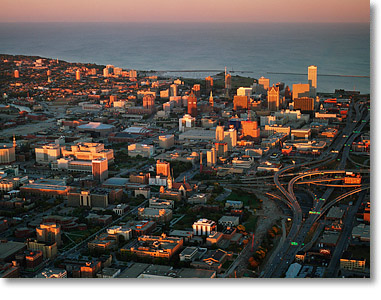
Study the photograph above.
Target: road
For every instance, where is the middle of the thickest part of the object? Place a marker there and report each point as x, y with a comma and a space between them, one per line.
299, 230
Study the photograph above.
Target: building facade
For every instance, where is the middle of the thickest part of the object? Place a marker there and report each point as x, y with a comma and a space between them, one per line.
204, 227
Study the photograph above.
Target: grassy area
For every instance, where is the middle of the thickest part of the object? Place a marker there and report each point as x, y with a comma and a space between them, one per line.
359, 158
247, 199
186, 222
251, 223
135, 201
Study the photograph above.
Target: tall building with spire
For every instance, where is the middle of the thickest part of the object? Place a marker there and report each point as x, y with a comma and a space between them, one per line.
211, 101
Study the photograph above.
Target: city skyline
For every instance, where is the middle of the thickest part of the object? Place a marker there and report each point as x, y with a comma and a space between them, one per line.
163, 140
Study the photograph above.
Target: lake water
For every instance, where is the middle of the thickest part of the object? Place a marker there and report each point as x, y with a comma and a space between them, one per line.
256, 48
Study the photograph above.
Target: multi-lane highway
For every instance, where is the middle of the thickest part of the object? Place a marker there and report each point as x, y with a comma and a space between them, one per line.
280, 262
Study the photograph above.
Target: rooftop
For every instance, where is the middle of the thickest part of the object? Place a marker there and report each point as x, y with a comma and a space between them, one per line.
95, 125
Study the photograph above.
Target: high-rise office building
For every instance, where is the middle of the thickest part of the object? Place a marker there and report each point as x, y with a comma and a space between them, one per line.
304, 104
49, 232
273, 98
7, 154
110, 69
148, 101
192, 104
208, 84
230, 137
221, 149
78, 75
118, 71
244, 91
211, 157
300, 90
228, 81
287, 93
173, 90
47, 153
88, 151
163, 168
100, 169
197, 90
220, 133
312, 80
16, 74
264, 83
187, 121
241, 102
250, 129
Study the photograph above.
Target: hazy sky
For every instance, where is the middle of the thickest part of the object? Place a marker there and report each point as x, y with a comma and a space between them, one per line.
184, 10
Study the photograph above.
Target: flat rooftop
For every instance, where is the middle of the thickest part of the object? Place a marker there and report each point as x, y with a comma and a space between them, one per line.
134, 271
9, 248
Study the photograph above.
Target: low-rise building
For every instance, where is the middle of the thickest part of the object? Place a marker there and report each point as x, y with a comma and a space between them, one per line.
45, 187
204, 227
141, 149
192, 253
348, 262
185, 235
97, 197
212, 260
121, 209
233, 204
8, 250
361, 232
118, 231
161, 203
102, 243
143, 227
52, 273
228, 221
198, 199
154, 246
166, 141
214, 238
159, 215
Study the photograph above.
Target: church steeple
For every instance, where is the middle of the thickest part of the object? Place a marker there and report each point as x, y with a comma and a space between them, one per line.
211, 101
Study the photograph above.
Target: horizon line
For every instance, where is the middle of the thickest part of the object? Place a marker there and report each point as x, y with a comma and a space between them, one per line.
189, 22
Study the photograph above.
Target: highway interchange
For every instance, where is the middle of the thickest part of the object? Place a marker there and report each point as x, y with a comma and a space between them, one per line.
315, 173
